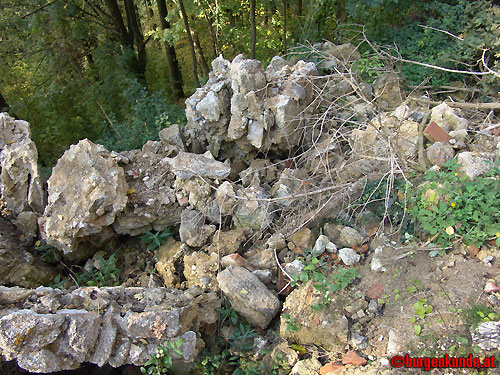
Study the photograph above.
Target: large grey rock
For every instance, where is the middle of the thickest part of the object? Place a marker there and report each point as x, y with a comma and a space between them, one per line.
152, 203
242, 109
20, 180
350, 237
349, 256
108, 325
440, 152
87, 189
186, 165
248, 295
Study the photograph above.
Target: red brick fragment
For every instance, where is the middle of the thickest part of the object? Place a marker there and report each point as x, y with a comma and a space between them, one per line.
330, 368
352, 358
375, 292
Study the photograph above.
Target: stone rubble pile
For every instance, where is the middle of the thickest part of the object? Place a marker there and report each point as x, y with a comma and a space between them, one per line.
47, 330
205, 177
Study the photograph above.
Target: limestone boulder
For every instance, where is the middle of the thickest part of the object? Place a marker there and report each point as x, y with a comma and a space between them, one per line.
253, 211
87, 189
20, 180
248, 295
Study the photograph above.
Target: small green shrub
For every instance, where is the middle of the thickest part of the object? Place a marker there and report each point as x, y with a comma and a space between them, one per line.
369, 66
161, 362
48, 253
324, 281
106, 274
155, 240
449, 207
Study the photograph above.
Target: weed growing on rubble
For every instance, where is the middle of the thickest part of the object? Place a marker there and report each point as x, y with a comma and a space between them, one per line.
155, 240
161, 361
105, 274
450, 207
48, 253
316, 269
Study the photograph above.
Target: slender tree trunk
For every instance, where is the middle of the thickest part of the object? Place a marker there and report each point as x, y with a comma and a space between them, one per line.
284, 26
135, 30
299, 8
201, 56
4, 107
253, 37
173, 64
190, 41
213, 36
116, 15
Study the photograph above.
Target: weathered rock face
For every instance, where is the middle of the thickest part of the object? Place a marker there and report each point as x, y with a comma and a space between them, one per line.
48, 330
186, 165
87, 190
151, 197
243, 109
256, 212
193, 230
327, 327
17, 266
248, 295
20, 181
170, 257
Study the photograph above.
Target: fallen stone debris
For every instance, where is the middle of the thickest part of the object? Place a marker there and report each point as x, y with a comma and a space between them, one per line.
247, 210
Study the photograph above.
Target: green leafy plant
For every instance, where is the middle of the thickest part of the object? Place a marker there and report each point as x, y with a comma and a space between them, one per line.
161, 362
291, 323
369, 66
48, 253
155, 240
449, 207
105, 274
315, 270
422, 309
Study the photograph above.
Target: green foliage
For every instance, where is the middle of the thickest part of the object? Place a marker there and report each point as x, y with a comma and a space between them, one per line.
369, 66
449, 207
48, 253
148, 115
480, 314
325, 281
105, 274
422, 309
161, 362
155, 240
291, 324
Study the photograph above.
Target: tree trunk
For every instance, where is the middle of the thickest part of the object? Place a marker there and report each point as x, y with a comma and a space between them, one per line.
284, 26
173, 64
213, 36
299, 8
253, 37
190, 41
201, 56
135, 31
125, 38
4, 107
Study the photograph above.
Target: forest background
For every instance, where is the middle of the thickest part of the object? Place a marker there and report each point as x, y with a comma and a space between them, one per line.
118, 71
